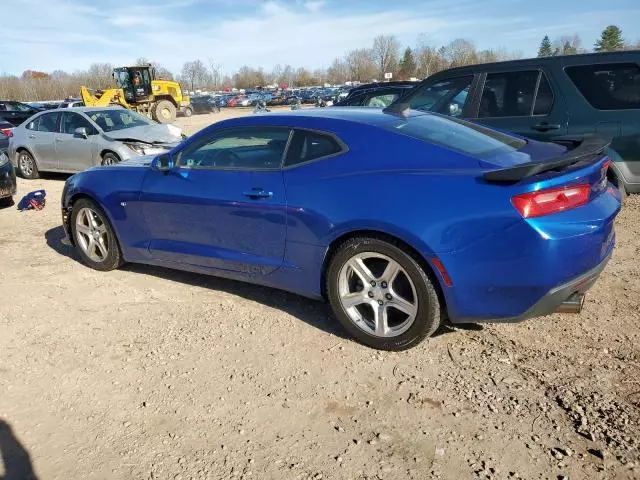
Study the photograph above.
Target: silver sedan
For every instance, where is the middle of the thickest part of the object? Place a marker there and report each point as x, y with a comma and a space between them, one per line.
75, 139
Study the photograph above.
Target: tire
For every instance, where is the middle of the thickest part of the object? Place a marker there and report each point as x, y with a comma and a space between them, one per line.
110, 158
109, 257
27, 166
188, 111
410, 289
6, 202
164, 112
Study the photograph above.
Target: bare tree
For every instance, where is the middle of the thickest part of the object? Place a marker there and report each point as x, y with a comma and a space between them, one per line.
459, 52
214, 69
338, 72
385, 54
428, 61
361, 65
568, 45
194, 73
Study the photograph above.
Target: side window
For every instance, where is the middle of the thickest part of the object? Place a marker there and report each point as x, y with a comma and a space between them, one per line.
613, 86
243, 148
306, 146
46, 122
383, 100
3, 107
447, 97
544, 97
508, 94
71, 121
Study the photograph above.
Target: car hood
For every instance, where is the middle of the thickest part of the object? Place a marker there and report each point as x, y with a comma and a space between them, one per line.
165, 134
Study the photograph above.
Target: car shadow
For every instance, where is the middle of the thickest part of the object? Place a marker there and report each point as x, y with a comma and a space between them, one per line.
15, 458
315, 313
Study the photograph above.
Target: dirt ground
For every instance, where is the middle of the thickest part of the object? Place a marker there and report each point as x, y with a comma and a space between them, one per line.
148, 373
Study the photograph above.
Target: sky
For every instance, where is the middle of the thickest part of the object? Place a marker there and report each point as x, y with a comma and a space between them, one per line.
69, 35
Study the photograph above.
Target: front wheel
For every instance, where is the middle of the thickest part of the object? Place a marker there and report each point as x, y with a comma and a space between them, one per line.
93, 236
164, 112
188, 111
110, 158
27, 165
381, 295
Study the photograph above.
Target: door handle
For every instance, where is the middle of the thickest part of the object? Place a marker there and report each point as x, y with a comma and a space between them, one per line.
258, 193
545, 127
59, 140
32, 136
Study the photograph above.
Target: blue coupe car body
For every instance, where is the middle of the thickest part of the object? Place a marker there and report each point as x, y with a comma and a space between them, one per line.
417, 178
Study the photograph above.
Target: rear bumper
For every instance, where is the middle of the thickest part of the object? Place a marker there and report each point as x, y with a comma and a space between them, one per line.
8, 185
552, 300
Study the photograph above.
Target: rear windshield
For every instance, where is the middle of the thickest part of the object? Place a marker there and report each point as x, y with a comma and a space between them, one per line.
465, 137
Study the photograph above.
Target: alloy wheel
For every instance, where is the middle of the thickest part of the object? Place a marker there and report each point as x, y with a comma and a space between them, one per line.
26, 164
91, 235
377, 294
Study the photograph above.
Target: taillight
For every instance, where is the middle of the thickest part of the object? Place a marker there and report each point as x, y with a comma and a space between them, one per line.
7, 131
554, 200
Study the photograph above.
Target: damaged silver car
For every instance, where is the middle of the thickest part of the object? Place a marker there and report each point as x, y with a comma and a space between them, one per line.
75, 139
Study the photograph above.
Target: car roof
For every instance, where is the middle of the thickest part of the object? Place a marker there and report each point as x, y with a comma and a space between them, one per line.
565, 60
362, 115
88, 109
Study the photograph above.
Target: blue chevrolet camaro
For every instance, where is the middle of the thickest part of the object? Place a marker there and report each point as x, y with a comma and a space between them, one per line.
400, 219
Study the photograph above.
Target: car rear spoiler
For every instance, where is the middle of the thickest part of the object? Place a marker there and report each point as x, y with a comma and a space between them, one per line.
580, 148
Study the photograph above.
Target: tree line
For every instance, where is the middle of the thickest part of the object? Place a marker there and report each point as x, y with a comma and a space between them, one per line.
360, 65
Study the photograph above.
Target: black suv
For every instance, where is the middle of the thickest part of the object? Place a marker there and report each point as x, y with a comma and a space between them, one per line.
543, 98
16, 112
380, 94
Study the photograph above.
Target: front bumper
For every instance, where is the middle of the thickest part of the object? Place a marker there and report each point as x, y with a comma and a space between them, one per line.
8, 186
552, 300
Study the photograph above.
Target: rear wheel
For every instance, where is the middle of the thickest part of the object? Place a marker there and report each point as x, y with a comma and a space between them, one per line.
27, 165
6, 202
381, 295
188, 111
164, 111
93, 236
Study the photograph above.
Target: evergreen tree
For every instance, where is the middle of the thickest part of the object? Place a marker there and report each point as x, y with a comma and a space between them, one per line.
407, 65
545, 47
610, 40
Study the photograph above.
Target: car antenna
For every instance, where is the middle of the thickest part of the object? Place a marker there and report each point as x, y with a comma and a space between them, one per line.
398, 109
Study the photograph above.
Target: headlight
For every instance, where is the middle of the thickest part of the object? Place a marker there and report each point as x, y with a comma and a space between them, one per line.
3, 159
136, 147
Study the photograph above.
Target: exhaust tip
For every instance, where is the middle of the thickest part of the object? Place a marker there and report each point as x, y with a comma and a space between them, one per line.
573, 304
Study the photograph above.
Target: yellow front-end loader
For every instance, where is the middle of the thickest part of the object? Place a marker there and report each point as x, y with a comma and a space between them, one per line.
138, 89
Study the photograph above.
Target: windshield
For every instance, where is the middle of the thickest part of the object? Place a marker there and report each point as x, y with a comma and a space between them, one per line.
465, 137
447, 97
122, 78
118, 119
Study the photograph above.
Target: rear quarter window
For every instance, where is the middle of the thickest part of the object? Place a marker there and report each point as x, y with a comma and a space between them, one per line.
306, 146
614, 86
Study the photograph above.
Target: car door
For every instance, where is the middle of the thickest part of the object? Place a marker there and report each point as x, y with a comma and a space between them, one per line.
74, 152
610, 106
222, 205
40, 133
521, 101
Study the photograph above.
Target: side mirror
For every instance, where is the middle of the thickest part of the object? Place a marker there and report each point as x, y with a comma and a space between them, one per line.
81, 132
163, 163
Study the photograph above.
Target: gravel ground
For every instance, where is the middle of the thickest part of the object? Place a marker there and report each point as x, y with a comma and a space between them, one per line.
148, 373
